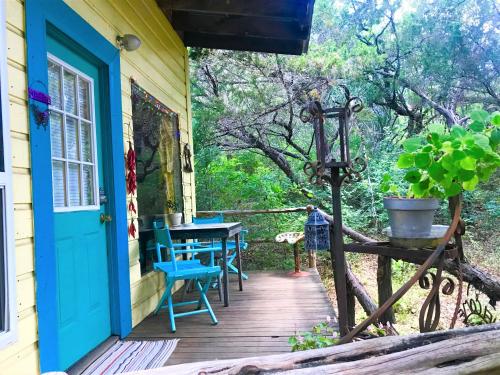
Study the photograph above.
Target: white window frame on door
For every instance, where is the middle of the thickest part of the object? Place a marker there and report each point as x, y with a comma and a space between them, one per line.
9, 334
63, 113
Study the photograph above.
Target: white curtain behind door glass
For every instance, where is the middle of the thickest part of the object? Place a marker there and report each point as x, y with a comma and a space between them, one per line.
69, 92
55, 84
72, 138
56, 135
59, 183
84, 99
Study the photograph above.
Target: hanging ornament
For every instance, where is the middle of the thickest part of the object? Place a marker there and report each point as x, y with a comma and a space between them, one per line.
132, 229
131, 207
188, 167
131, 164
131, 181
40, 113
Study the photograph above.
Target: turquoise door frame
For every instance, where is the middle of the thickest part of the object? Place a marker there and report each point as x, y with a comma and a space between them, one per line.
55, 18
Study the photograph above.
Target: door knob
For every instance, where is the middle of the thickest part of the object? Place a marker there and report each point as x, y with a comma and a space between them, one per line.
105, 218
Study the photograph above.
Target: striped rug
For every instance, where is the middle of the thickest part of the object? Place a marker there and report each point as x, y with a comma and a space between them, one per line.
125, 356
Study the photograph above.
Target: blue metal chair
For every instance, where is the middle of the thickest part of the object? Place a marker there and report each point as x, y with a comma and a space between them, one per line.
175, 269
231, 245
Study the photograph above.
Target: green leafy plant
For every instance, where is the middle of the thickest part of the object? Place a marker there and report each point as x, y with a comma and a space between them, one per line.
322, 335
445, 161
171, 206
378, 330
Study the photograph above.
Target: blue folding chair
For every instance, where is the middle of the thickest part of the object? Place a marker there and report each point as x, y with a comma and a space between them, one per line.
175, 269
230, 245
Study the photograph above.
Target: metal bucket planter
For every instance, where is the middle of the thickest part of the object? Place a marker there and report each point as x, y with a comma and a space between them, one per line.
411, 218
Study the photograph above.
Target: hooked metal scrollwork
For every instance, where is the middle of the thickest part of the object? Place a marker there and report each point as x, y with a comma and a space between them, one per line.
475, 312
316, 171
353, 172
430, 312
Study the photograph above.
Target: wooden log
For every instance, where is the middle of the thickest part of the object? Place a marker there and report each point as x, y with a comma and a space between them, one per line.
360, 292
469, 350
480, 279
351, 233
384, 285
351, 304
252, 212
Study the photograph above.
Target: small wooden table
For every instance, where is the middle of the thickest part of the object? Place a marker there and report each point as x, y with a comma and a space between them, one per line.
220, 231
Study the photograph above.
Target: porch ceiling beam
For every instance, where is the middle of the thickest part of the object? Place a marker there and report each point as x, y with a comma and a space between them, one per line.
240, 26
244, 43
267, 8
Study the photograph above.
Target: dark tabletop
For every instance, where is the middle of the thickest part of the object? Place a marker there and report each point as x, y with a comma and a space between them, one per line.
218, 230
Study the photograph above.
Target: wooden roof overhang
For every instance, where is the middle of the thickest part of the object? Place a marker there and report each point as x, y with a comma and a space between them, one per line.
273, 26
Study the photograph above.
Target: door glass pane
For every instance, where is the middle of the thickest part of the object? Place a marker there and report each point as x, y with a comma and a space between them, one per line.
84, 98
58, 178
72, 138
56, 135
88, 185
55, 84
86, 141
69, 92
74, 184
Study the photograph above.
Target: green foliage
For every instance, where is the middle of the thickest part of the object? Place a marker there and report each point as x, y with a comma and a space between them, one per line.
171, 206
444, 162
402, 271
436, 58
321, 336
247, 181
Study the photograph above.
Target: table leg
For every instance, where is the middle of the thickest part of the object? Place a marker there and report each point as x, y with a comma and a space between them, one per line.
184, 256
238, 259
225, 272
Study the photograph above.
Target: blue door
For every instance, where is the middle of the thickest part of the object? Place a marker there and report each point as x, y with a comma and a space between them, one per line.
83, 302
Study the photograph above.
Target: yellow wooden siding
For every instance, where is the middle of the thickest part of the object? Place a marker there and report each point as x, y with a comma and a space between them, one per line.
160, 67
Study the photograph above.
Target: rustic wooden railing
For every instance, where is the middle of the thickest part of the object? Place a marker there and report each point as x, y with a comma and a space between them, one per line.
481, 280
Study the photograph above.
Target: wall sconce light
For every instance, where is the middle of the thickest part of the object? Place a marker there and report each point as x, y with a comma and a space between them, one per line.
128, 42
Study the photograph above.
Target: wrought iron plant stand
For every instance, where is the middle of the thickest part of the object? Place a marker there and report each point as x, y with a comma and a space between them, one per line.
327, 170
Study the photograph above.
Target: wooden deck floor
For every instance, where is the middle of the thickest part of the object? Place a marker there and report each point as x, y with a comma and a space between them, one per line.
258, 321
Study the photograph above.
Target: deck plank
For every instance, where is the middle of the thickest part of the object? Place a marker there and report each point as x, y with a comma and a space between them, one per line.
258, 321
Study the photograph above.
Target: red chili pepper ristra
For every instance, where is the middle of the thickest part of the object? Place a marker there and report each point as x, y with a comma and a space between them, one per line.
131, 207
131, 229
131, 164
131, 182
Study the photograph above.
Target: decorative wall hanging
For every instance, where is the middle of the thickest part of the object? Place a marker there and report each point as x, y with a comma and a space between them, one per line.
158, 153
130, 164
139, 94
188, 167
41, 115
